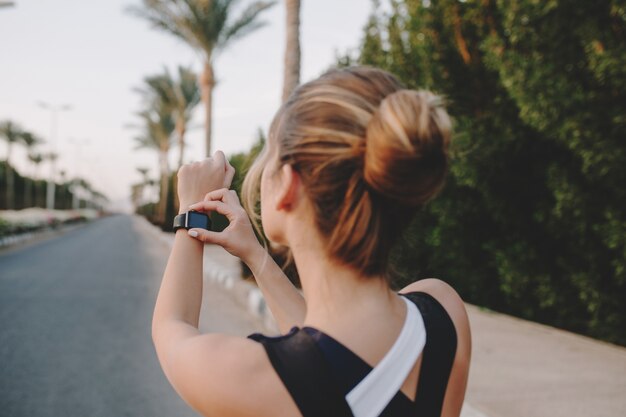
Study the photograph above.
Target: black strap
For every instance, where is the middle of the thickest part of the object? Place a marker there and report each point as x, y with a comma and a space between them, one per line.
438, 355
300, 365
308, 378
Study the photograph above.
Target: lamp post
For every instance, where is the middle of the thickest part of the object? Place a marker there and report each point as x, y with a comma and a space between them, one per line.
54, 111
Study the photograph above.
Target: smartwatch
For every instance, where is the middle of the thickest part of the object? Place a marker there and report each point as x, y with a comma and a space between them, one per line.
192, 219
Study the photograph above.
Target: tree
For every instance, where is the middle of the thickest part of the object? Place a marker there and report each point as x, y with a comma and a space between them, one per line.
563, 64
207, 26
179, 96
532, 219
292, 48
157, 128
372, 51
30, 141
138, 189
11, 133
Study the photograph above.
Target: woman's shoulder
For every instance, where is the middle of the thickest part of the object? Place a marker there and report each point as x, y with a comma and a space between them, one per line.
447, 297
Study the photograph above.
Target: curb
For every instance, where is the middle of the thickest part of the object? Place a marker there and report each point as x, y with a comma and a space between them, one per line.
11, 240
246, 294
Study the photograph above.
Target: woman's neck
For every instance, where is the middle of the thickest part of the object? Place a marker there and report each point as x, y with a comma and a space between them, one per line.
339, 297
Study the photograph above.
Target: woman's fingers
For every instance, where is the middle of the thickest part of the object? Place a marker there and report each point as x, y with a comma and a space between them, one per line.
220, 159
234, 196
228, 176
223, 194
218, 206
207, 236
215, 195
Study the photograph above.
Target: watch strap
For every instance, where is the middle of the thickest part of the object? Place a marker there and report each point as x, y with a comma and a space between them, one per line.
180, 221
187, 221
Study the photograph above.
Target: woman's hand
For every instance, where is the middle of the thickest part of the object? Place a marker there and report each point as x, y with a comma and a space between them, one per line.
238, 238
198, 178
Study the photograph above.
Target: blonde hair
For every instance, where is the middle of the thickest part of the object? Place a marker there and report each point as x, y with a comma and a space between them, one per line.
369, 153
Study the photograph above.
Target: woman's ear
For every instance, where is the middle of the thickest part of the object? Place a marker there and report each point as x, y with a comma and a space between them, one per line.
288, 189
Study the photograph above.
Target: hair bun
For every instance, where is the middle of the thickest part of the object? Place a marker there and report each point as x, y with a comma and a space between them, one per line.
406, 152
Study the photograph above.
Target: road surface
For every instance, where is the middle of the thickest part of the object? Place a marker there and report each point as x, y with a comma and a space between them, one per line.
75, 314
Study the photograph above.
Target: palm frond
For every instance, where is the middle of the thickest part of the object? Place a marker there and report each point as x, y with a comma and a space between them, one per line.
187, 91
35, 158
11, 131
157, 130
30, 139
204, 24
246, 23
168, 16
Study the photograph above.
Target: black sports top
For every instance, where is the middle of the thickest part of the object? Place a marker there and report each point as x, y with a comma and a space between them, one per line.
319, 371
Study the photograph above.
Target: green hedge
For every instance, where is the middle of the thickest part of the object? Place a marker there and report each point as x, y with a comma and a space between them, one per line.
532, 221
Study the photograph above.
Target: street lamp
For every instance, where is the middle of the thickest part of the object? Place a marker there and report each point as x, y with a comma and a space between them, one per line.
54, 111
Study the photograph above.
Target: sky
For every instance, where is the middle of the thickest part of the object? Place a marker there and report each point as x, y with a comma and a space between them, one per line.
90, 55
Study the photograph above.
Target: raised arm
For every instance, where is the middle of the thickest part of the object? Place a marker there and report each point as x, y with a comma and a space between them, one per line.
209, 371
282, 297
177, 308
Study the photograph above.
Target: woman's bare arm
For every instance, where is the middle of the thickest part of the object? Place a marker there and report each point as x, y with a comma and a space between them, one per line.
177, 309
283, 298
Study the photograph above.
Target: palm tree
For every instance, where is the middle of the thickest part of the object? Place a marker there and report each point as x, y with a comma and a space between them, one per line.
207, 26
11, 133
138, 189
158, 126
145, 179
180, 96
292, 49
30, 141
36, 158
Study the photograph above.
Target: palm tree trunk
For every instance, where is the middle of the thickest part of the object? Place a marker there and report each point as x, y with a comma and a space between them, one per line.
292, 49
207, 82
180, 130
163, 167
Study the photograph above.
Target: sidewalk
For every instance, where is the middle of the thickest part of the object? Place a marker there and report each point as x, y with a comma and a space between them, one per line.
524, 369
518, 369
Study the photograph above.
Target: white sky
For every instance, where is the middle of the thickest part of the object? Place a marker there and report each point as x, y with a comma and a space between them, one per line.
90, 54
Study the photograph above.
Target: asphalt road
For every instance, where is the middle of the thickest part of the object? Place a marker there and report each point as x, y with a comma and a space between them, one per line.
75, 314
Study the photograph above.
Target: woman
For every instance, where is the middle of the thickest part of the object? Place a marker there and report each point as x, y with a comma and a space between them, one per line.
350, 158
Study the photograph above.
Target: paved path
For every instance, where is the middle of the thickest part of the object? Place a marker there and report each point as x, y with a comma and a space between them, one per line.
75, 314
524, 369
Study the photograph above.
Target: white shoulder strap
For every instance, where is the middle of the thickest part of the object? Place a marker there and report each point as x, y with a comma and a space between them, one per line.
370, 397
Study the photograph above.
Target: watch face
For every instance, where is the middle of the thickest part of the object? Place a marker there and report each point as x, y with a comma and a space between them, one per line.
198, 220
